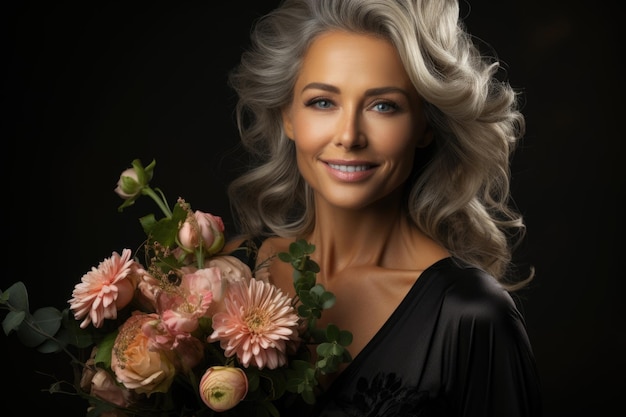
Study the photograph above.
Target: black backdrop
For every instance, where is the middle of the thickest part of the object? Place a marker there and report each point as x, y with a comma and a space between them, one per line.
87, 87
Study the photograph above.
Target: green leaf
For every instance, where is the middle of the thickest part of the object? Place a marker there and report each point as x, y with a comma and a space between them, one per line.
165, 230
253, 379
285, 257
308, 396
324, 349
296, 250
332, 333
147, 223
76, 336
54, 345
48, 319
327, 300
12, 321
42, 325
105, 347
312, 266
307, 298
18, 296
345, 338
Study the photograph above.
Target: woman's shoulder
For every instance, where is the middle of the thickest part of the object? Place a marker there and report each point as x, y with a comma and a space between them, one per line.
253, 249
468, 291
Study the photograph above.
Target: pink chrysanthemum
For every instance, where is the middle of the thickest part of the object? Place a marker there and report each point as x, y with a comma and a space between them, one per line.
104, 290
258, 324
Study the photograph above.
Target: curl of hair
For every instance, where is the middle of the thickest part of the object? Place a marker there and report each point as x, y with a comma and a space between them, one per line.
460, 197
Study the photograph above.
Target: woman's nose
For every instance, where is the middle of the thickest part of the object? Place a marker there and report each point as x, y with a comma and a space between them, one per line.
349, 131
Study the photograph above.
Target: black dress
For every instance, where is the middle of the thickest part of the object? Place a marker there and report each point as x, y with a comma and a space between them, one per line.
455, 346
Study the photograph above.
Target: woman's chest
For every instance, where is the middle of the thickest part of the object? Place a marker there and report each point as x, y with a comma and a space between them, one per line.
365, 298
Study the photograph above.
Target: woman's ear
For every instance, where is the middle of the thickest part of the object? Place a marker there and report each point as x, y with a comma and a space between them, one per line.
287, 123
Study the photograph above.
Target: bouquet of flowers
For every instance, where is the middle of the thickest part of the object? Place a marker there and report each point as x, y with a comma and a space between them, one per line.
179, 328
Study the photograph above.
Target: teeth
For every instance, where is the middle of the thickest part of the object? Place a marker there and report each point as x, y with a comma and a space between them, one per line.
349, 168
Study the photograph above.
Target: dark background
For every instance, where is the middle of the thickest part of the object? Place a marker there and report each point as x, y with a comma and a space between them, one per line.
87, 88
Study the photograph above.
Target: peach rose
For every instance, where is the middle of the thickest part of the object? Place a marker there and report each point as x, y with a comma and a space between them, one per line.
137, 366
223, 387
202, 229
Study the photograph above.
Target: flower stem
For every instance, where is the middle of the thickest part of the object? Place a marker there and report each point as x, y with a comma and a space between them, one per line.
164, 208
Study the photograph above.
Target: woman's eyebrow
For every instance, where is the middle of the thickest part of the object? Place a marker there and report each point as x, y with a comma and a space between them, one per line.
369, 92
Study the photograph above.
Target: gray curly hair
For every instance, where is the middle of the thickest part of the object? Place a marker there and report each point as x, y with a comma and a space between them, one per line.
459, 192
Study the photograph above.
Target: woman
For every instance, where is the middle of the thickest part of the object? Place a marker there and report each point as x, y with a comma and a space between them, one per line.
379, 134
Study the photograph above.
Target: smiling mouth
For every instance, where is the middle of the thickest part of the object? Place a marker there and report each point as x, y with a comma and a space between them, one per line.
349, 168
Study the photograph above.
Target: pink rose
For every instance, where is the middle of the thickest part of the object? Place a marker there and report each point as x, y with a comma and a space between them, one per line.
149, 290
223, 387
101, 384
232, 270
181, 309
104, 386
202, 229
137, 366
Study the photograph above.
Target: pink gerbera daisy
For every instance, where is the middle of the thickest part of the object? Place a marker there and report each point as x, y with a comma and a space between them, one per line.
258, 324
104, 290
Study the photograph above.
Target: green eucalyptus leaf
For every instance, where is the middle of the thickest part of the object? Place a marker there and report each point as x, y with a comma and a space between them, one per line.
308, 396
332, 333
301, 367
307, 298
327, 300
324, 349
318, 290
30, 335
52, 345
309, 248
309, 276
285, 257
296, 250
312, 266
336, 350
12, 321
345, 338
304, 282
42, 325
48, 319
18, 296
318, 335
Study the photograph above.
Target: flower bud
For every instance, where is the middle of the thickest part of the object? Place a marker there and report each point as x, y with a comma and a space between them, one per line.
132, 181
223, 387
202, 229
128, 185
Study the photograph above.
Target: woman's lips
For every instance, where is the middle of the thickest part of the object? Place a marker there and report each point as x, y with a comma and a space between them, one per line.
349, 168
350, 172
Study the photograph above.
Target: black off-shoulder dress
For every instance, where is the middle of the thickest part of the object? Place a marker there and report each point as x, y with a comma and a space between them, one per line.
456, 346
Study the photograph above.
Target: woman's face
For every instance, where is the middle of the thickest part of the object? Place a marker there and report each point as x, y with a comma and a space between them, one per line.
355, 118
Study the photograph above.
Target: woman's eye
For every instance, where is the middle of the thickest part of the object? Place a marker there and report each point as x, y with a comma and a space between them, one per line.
384, 107
321, 103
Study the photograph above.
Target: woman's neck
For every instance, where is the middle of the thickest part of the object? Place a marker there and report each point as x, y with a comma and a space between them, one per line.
364, 237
